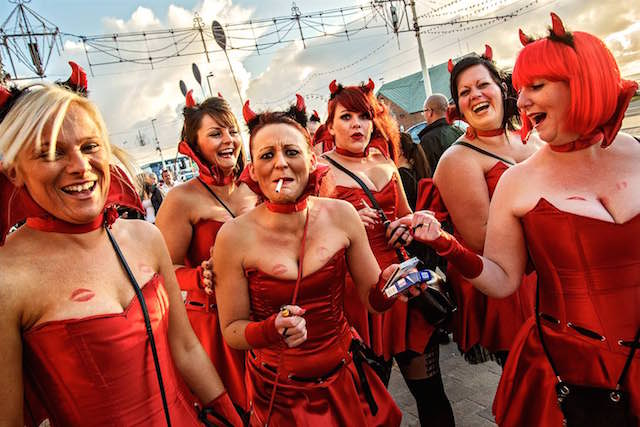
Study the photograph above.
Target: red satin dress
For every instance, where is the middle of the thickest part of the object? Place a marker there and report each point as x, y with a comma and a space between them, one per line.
98, 370
589, 273
319, 383
400, 328
490, 322
203, 314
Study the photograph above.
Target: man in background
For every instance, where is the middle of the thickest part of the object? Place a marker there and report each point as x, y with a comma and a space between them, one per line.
438, 135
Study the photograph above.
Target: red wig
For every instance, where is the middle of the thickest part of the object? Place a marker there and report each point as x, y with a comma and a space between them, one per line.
589, 69
361, 100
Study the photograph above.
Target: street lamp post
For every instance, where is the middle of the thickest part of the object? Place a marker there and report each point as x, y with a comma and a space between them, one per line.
158, 149
209, 83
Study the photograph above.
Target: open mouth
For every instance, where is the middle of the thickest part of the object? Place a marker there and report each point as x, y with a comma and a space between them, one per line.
357, 135
226, 154
80, 189
537, 118
480, 107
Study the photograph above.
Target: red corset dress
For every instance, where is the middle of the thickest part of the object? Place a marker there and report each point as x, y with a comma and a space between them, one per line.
99, 370
589, 272
490, 322
401, 328
319, 382
203, 315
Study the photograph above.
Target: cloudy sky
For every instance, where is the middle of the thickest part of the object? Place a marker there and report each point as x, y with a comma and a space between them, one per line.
131, 95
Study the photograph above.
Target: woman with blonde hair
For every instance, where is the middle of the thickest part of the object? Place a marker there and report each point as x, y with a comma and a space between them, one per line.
92, 326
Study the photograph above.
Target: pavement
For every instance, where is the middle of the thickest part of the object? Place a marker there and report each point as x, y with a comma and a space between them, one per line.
470, 388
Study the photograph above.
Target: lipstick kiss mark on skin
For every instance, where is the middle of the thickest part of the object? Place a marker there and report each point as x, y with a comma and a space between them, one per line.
323, 253
279, 269
82, 295
580, 198
621, 185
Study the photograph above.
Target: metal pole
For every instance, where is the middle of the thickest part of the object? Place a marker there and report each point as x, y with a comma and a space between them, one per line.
423, 62
155, 134
209, 83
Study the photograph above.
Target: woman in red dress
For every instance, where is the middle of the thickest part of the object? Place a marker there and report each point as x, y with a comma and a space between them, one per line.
574, 208
279, 275
366, 143
191, 216
466, 177
79, 341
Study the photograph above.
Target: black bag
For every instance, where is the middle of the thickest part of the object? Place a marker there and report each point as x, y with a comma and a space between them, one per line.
435, 304
591, 406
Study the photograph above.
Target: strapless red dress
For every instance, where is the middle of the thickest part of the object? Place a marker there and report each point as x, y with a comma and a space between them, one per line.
203, 315
99, 370
402, 327
589, 273
491, 322
319, 382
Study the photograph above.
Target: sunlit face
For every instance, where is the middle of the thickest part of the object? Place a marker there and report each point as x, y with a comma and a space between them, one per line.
73, 184
547, 103
166, 177
219, 145
480, 98
280, 151
312, 127
350, 129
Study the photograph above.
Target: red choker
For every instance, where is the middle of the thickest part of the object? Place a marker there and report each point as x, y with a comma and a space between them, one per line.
55, 225
473, 133
348, 153
211, 175
287, 207
578, 144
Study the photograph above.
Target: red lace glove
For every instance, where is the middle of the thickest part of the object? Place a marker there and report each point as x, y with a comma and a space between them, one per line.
377, 299
220, 412
189, 278
263, 334
467, 262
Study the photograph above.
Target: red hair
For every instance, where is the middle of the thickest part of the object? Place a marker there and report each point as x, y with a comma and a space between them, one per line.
588, 68
355, 99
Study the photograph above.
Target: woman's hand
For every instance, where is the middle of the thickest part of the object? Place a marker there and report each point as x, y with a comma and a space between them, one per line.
368, 216
426, 228
291, 325
207, 276
398, 232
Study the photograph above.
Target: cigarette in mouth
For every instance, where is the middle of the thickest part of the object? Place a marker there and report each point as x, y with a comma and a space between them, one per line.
279, 185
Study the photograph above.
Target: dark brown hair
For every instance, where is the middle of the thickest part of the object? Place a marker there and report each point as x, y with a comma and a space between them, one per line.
219, 110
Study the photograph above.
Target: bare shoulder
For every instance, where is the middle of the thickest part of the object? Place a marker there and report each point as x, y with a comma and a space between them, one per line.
17, 280
340, 213
456, 161
236, 230
137, 232
626, 145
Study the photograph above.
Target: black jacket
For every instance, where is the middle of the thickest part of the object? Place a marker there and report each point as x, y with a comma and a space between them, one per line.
156, 198
435, 138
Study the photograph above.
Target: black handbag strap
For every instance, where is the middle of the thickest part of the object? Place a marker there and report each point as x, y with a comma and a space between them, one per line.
147, 322
204, 184
634, 345
367, 191
485, 152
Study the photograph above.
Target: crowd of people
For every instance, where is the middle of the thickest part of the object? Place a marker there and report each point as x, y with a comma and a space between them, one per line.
254, 294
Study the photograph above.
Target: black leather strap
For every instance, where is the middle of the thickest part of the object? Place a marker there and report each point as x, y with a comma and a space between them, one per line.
204, 184
374, 202
147, 322
485, 152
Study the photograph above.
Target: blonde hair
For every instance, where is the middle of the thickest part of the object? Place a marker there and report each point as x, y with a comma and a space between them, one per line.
24, 124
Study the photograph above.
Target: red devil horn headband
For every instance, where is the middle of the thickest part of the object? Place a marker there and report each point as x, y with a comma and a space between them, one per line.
300, 105
557, 27
524, 39
369, 86
189, 101
488, 53
248, 113
450, 65
333, 87
220, 95
78, 77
